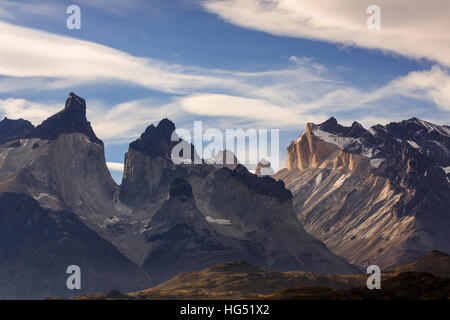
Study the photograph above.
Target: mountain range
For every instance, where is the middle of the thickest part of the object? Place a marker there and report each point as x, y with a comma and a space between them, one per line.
376, 196
348, 197
61, 207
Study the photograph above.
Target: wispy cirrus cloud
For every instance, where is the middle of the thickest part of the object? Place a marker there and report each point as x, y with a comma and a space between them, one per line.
413, 28
302, 91
35, 112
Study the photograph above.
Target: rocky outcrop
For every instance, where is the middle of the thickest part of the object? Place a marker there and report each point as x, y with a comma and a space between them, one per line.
11, 130
373, 196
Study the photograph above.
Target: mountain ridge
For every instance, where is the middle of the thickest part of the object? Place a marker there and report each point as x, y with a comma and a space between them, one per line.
372, 197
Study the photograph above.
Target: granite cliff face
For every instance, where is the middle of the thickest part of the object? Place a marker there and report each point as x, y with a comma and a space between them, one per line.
377, 196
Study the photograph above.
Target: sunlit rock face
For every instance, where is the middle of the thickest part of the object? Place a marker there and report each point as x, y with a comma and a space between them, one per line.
376, 196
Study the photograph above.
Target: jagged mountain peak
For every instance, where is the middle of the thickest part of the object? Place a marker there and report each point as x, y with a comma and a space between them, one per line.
156, 141
75, 103
72, 119
407, 128
332, 126
166, 128
331, 121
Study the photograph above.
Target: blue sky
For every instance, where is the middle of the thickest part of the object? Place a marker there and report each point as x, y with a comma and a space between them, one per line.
231, 63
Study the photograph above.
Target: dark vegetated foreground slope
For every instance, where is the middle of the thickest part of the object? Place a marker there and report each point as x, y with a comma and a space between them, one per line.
241, 280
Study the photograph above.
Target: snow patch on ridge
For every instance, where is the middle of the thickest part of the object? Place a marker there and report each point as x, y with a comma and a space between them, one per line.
318, 179
413, 144
344, 142
218, 221
375, 163
341, 142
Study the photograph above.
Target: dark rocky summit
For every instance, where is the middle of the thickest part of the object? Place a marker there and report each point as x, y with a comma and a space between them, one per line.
14, 129
156, 141
72, 119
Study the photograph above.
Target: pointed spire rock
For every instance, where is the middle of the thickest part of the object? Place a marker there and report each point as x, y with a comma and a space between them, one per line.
72, 119
156, 141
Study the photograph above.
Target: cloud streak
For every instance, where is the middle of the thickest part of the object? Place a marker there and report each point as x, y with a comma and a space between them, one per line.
287, 98
413, 28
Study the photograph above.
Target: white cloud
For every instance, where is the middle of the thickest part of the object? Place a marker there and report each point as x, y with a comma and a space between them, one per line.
114, 166
120, 123
31, 111
428, 85
393, 101
29, 53
231, 106
126, 121
414, 28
